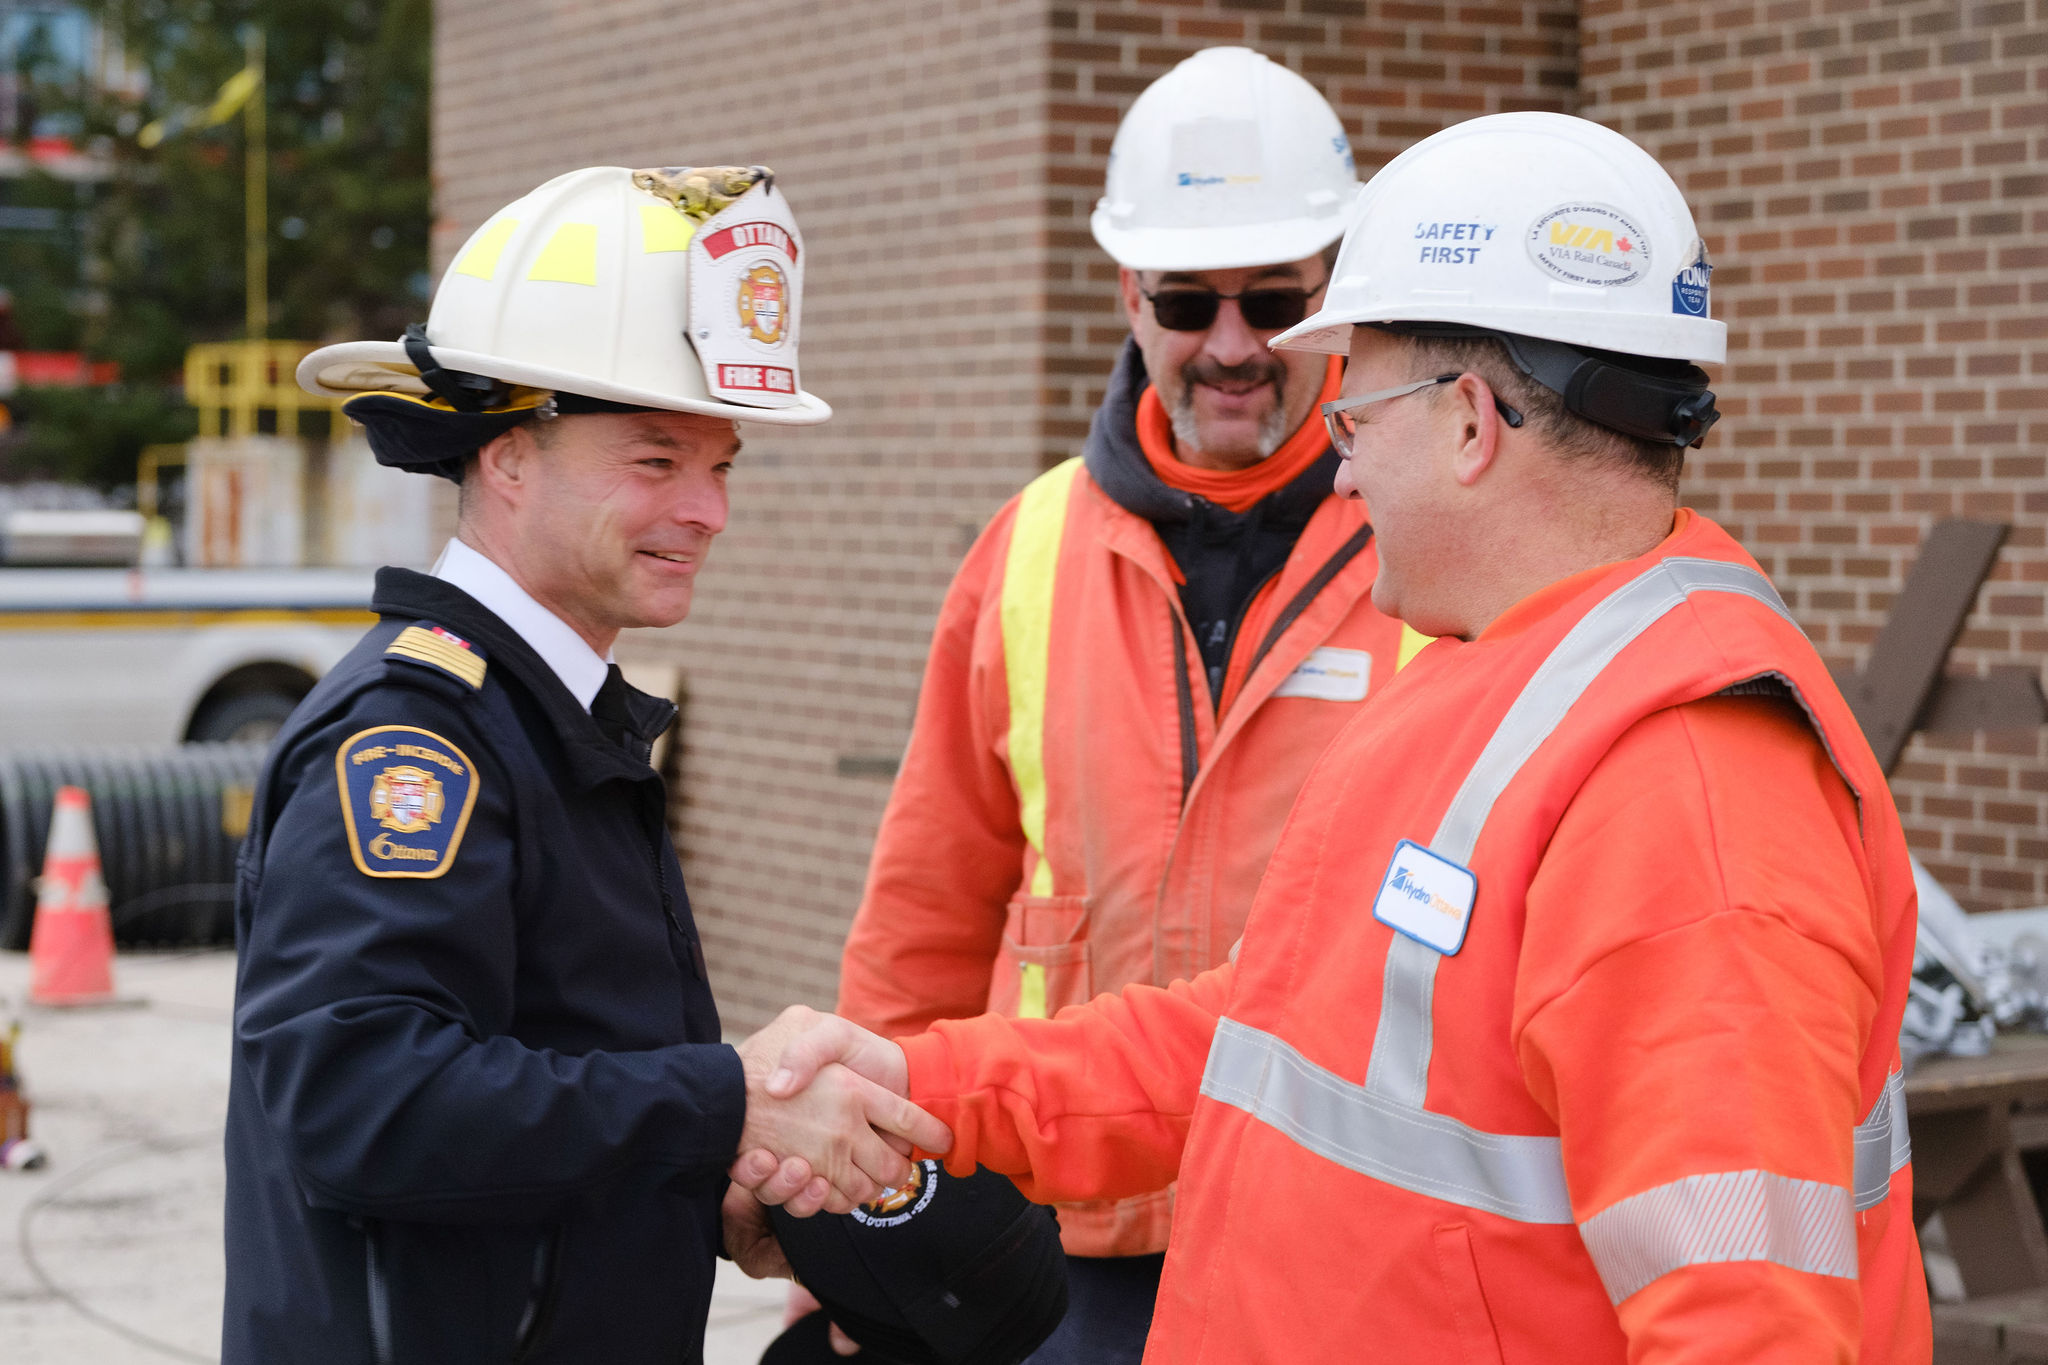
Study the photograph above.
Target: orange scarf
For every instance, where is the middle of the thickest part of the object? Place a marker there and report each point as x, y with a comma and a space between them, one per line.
1235, 489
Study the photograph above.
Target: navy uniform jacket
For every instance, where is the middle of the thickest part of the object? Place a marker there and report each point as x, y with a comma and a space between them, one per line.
480, 1110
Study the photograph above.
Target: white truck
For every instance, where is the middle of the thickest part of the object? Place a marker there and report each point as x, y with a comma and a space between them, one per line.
156, 656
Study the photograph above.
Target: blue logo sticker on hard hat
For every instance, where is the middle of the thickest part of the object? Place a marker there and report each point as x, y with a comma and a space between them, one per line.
1689, 285
899, 1205
1214, 152
406, 795
1590, 244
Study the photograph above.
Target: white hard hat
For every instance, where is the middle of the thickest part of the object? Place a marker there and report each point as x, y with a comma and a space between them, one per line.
635, 288
1227, 160
1534, 225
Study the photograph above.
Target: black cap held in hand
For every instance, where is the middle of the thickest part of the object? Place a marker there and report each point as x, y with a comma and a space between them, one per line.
943, 1271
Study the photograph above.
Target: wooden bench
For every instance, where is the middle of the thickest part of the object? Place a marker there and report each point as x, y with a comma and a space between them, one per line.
1976, 1123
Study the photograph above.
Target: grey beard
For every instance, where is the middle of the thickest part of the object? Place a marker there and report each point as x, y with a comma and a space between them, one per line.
1187, 429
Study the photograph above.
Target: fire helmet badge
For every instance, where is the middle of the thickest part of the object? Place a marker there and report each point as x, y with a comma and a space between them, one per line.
763, 303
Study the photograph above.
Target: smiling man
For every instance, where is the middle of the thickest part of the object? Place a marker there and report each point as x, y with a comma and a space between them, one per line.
1230, 403
1565, 1028
1142, 656
480, 1109
609, 521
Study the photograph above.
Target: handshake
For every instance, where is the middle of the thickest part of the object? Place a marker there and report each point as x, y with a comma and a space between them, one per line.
828, 1125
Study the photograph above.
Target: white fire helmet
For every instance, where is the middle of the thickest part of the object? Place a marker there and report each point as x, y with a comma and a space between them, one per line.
1227, 160
1533, 225
676, 289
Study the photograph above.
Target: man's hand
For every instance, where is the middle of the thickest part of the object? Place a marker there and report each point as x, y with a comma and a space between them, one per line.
750, 1238
807, 1041
840, 1118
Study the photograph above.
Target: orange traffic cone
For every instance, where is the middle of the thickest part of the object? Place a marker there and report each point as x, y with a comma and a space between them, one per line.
71, 948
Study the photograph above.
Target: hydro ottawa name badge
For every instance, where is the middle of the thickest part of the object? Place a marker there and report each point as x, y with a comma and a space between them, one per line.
406, 795
1426, 897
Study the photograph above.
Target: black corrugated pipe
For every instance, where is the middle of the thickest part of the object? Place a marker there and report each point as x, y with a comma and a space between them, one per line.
169, 819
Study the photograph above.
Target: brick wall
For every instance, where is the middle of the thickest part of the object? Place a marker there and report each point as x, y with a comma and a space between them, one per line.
1873, 180
1869, 176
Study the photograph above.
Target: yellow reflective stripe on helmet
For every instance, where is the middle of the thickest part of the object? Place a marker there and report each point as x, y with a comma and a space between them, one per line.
481, 260
1028, 575
664, 229
570, 257
1413, 642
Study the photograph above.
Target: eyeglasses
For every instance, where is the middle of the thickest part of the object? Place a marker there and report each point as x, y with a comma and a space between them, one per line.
1337, 413
1263, 310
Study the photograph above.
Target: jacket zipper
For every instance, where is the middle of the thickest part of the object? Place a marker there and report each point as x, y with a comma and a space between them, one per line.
1184, 692
1190, 754
533, 1323
695, 962
1189, 761
379, 1293
1346, 552
1217, 680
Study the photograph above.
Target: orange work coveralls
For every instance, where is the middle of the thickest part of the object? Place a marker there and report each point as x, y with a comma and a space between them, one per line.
1073, 813
1624, 1085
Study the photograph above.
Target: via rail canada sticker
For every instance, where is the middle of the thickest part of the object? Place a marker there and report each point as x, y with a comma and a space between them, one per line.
1590, 244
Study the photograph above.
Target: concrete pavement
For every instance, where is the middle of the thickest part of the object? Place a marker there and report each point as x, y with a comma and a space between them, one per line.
111, 1254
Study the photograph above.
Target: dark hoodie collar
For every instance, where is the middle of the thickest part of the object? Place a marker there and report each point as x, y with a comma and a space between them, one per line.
592, 757
1117, 463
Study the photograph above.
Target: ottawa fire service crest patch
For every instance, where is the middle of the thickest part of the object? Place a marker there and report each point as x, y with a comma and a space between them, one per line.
406, 795
899, 1205
763, 303
406, 799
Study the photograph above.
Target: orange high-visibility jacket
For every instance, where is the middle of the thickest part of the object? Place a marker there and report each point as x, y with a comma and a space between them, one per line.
1072, 814
1625, 1083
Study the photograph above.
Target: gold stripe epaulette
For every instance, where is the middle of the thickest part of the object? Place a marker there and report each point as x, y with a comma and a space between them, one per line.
423, 645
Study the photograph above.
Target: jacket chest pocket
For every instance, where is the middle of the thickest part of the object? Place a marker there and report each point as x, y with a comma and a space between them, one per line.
1043, 964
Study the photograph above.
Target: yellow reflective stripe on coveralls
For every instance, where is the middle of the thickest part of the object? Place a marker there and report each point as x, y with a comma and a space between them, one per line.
1413, 642
1029, 572
1380, 1128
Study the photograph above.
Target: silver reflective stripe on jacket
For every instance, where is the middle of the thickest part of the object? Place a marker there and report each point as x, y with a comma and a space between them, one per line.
1380, 1128
1399, 1069
1751, 1215
1516, 1177
1882, 1145
1725, 1216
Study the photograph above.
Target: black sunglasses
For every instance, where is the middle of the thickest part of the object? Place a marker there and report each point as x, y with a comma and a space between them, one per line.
1264, 310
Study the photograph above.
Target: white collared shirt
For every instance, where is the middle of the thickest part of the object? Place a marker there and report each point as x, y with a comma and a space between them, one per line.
559, 646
